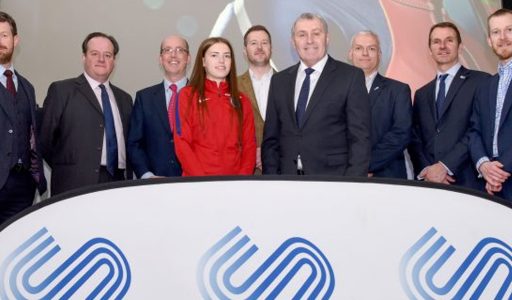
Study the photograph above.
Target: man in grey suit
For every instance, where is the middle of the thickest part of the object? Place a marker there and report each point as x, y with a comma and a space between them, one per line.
318, 113
21, 168
85, 120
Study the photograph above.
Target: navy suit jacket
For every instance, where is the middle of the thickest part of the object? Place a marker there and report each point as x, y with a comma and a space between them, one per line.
335, 136
446, 138
7, 119
150, 143
482, 128
391, 126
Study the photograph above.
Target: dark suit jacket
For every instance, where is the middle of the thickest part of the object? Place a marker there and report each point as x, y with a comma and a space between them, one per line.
72, 132
446, 139
150, 143
391, 126
335, 136
482, 128
7, 119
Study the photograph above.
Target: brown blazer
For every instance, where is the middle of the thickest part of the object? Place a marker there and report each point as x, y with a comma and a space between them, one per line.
245, 86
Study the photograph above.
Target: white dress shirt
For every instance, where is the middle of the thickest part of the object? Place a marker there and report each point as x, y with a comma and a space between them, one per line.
121, 149
261, 87
313, 78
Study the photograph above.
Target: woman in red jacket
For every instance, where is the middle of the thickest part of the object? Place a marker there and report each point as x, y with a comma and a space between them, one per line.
215, 134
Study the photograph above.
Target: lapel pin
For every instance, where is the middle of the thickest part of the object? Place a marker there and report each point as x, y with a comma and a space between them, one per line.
376, 88
462, 77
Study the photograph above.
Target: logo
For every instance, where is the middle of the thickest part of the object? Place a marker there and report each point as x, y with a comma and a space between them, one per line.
98, 269
427, 272
297, 266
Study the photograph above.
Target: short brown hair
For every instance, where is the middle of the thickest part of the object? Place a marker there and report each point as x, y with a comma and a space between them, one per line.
500, 12
257, 28
5, 17
445, 25
92, 35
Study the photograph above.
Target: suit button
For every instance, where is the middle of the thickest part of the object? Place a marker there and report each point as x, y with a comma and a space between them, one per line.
438, 130
11, 131
98, 148
96, 170
101, 125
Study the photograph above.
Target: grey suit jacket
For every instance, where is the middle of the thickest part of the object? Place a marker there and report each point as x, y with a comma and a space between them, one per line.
72, 132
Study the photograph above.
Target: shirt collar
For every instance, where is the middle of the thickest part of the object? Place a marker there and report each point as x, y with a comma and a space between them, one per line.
505, 67
93, 83
267, 75
180, 83
3, 69
318, 67
451, 71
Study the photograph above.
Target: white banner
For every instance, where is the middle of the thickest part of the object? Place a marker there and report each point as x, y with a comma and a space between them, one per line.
260, 239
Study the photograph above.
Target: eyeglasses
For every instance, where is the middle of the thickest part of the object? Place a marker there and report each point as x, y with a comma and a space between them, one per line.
177, 51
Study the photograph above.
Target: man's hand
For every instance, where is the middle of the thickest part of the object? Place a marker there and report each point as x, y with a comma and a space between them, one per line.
258, 158
437, 173
493, 174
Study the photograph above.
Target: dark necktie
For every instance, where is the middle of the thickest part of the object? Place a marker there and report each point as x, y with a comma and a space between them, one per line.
441, 94
303, 98
10, 83
171, 110
110, 131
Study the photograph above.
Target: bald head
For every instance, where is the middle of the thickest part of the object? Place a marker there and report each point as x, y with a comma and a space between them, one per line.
174, 57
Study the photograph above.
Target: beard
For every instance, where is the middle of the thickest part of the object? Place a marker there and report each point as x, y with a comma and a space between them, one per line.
5, 55
504, 53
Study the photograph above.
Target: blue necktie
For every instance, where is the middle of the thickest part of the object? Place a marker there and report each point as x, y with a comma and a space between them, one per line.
303, 98
110, 131
441, 94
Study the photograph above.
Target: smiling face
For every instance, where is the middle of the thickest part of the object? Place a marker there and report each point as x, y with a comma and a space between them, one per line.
500, 36
174, 58
8, 42
310, 39
365, 53
99, 59
217, 62
444, 47
258, 48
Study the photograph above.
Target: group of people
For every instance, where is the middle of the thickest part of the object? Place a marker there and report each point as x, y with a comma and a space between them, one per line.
319, 116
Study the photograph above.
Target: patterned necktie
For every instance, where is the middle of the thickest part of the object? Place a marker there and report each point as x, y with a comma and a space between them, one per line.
10, 83
441, 94
171, 110
303, 98
110, 132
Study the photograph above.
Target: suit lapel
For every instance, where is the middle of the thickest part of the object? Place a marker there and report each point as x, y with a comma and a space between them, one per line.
245, 81
456, 84
321, 86
290, 96
159, 107
7, 103
493, 94
86, 90
431, 99
507, 103
377, 86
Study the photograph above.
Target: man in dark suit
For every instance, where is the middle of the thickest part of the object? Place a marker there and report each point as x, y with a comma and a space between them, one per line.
150, 143
85, 120
255, 82
491, 122
318, 114
21, 168
441, 113
391, 105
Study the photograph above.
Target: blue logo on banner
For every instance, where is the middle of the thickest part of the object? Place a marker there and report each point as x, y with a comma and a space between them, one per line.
489, 261
27, 272
296, 259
